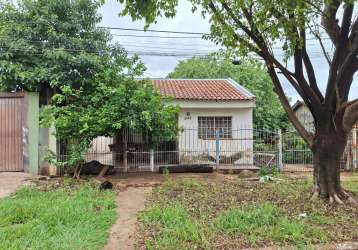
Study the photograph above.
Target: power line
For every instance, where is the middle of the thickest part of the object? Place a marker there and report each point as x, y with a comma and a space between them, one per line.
174, 32
132, 52
144, 43
150, 36
151, 53
154, 30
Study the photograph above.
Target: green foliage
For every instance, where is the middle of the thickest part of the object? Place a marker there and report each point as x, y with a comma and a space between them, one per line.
268, 170
249, 73
65, 218
87, 83
47, 43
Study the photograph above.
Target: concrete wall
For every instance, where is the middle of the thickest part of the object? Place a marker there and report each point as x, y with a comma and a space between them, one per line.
47, 141
30, 136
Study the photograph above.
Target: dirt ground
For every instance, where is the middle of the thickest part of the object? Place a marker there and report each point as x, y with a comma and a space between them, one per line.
133, 190
11, 181
123, 181
303, 174
130, 202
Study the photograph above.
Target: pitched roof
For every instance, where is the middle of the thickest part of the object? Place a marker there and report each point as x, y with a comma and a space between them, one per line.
297, 105
202, 89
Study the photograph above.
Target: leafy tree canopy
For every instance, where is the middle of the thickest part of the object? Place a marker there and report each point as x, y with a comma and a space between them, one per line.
250, 73
89, 84
50, 43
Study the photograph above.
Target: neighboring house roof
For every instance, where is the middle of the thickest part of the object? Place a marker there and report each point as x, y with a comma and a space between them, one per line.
297, 105
202, 89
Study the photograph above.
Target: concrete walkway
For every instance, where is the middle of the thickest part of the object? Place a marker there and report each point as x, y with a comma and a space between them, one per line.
11, 181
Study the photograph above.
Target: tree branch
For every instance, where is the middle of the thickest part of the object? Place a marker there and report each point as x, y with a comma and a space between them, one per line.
260, 42
236, 36
325, 53
311, 74
329, 21
309, 69
345, 75
354, 31
346, 21
350, 117
286, 105
312, 99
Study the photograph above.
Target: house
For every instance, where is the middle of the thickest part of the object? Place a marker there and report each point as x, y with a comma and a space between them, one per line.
351, 152
209, 106
216, 117
304, 115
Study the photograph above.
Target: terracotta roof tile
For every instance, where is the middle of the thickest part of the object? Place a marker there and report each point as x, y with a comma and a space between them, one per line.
201, 89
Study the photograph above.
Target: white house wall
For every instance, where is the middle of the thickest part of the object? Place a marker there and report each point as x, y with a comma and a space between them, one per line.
241, 143
305, 117
100, 151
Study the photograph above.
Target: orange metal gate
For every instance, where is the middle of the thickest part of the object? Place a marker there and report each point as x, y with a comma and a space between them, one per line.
11, 126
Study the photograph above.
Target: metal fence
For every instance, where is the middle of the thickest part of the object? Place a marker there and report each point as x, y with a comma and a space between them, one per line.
133, 150
297, 156
245, 148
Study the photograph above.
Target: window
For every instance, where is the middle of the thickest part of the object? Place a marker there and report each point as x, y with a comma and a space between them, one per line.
209, 124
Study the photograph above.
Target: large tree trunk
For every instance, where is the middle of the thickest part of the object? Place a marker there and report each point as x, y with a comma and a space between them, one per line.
328, 148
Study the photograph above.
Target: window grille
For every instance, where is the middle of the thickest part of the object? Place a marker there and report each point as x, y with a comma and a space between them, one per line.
209, 124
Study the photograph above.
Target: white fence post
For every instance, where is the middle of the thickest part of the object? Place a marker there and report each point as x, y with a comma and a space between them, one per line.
280, 163
125, 150
152, 160
217, 144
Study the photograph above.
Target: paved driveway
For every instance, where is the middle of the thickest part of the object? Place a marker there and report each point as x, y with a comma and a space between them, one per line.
11, 181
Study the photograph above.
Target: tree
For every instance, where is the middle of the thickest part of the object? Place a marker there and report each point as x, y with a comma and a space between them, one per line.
48, 44
250, 73
257, 26
88, 84
106, 106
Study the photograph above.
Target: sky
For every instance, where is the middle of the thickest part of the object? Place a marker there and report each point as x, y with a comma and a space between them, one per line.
185, 20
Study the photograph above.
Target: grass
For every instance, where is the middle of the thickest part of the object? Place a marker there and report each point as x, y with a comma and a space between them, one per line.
68, 217
177, 228
232, 214
266, 221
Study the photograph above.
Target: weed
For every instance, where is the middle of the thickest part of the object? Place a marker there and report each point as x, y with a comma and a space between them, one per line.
271, 170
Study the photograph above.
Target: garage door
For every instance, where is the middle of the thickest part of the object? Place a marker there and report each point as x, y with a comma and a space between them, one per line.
11, 121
